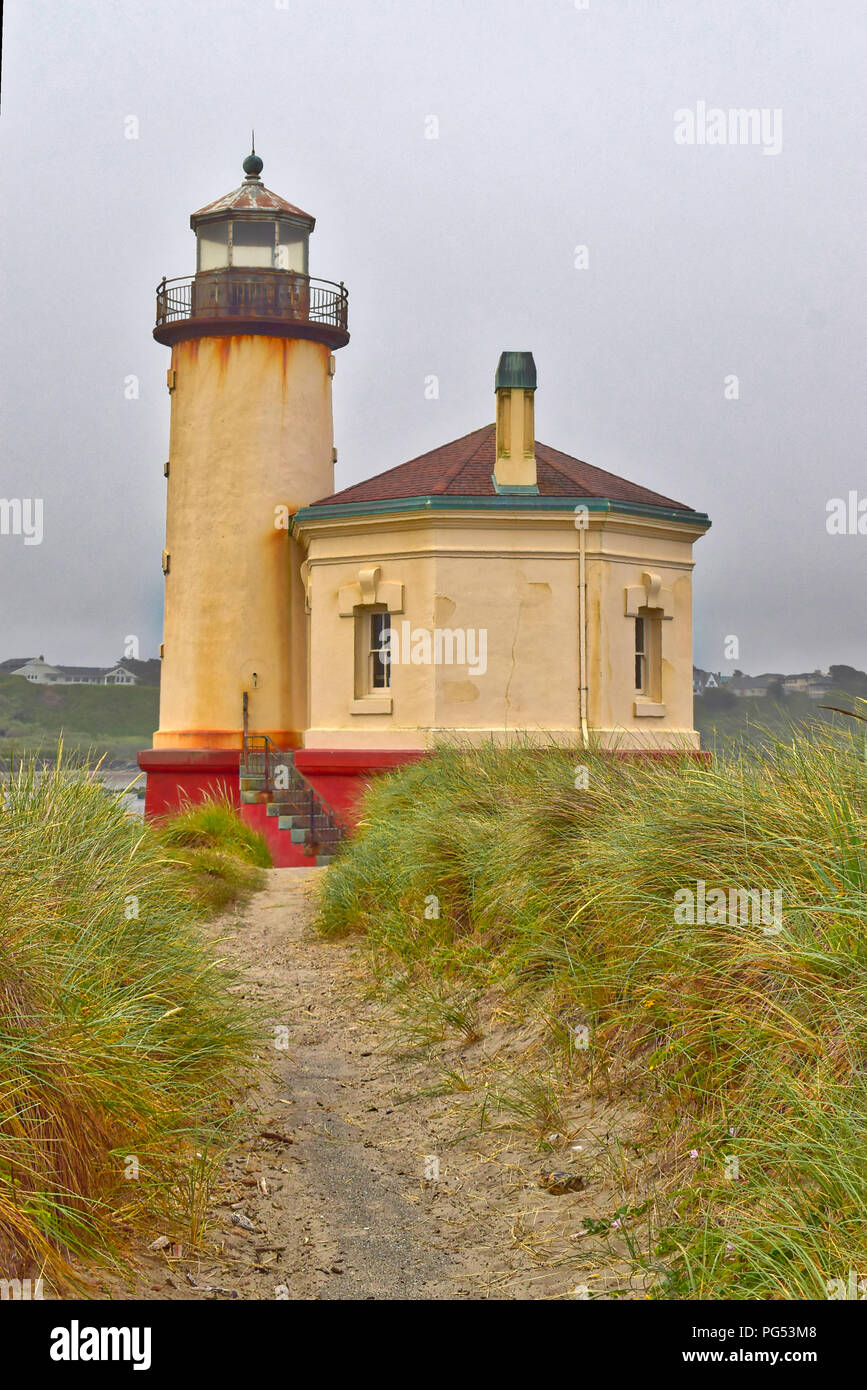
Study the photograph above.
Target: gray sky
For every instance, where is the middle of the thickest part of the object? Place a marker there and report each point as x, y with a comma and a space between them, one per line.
556, 130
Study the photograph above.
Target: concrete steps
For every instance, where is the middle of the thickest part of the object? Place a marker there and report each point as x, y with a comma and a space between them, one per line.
253, 798
291, 808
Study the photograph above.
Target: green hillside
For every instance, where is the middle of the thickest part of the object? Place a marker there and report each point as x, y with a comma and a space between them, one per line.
116, 720
119, 720
724, 722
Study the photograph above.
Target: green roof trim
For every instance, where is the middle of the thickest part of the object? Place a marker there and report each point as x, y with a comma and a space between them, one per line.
515, 489
453, 503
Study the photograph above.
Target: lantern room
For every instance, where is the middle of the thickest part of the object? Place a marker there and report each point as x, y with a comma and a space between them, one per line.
252, 271
252, 228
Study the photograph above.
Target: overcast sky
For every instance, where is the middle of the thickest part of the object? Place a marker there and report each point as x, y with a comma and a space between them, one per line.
556, 130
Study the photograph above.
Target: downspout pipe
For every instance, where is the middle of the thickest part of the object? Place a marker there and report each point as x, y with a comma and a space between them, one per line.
581, 520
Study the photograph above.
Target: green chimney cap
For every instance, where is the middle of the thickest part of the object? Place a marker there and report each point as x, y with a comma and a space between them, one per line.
516, 369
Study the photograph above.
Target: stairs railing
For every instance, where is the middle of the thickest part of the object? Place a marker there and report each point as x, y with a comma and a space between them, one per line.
261, 758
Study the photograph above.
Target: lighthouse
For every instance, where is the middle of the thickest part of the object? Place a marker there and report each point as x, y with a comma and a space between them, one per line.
252, 338
495, 588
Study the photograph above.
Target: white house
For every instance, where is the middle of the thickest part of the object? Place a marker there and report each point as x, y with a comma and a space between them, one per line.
40, 672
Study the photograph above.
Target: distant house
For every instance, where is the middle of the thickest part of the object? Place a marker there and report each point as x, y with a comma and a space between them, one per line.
146, 672
15, 663
813, 684
751, 687
96, 675
706, 680
35, 669
40, 672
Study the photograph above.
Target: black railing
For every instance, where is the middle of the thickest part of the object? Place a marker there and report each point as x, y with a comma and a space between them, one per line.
262, 758
265, 294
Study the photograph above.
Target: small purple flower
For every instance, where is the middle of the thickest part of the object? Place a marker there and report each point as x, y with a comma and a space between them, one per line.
615, 1225
693, 1153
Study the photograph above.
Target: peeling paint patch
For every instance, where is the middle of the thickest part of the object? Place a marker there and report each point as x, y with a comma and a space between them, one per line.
443, 609
459, 692
539, 593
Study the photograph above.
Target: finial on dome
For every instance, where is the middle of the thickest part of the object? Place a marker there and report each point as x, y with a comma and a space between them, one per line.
252, 165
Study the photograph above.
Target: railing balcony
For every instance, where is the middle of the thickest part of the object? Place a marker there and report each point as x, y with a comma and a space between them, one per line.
280, 302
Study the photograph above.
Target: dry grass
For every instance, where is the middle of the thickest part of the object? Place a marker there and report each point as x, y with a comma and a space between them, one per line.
120, 1049
741, 1041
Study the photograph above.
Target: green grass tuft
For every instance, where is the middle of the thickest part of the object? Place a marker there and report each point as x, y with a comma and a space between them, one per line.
490, 868
121, 1050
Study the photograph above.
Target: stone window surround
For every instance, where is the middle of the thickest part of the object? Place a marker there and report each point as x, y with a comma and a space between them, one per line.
650, 594
369, 590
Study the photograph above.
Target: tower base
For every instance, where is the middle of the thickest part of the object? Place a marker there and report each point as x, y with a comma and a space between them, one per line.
178, 776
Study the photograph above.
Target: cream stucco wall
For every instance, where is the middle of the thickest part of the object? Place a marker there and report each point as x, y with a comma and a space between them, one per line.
514, 574
619, 553
251, 432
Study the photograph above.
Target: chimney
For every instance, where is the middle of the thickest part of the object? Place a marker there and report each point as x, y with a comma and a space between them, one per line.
515, 459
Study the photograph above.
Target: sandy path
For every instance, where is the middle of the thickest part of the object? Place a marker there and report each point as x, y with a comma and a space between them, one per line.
346, 1211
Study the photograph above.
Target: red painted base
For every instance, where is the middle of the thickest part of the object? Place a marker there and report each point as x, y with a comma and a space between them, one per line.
342, 775
178, 776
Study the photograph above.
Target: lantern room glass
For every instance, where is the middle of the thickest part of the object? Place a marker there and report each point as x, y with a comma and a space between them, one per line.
213, 246
253, 244
292, 242
267, 243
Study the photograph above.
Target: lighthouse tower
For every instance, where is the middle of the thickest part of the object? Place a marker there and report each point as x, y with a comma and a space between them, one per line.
252, 340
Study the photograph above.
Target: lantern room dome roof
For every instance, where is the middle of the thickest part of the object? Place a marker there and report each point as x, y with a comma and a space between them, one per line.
252, 197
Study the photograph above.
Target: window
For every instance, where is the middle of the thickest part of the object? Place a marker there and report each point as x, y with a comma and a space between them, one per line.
253, 244
213, 245
648, 654
640, 657
291, 253
379, 661
372, 664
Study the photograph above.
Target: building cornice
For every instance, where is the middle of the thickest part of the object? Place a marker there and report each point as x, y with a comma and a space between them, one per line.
499, 511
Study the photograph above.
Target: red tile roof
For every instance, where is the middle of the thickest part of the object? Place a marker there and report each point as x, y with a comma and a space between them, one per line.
464, 467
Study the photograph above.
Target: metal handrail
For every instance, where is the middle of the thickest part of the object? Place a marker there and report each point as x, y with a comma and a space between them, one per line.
266, 294
260, 756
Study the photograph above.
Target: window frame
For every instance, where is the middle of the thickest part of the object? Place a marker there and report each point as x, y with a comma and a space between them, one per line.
640, 654
647, 649
370, 622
